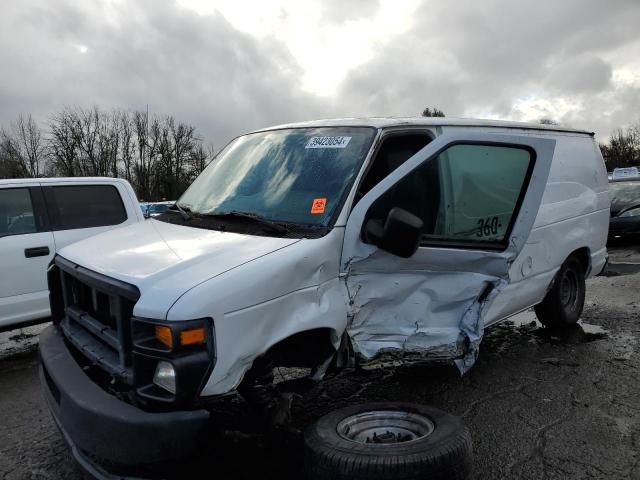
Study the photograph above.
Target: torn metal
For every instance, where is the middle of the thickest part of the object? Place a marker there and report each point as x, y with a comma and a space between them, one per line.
427, 315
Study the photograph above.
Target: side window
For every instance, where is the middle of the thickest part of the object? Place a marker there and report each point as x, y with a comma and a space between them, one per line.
468, 194
84, 206
16, 212
394, 151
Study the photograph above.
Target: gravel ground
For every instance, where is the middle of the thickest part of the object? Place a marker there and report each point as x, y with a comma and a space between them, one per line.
538, 405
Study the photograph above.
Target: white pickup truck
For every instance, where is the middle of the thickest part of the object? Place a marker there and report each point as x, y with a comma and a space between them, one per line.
39, 216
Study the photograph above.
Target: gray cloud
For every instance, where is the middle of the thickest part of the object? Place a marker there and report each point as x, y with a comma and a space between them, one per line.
490, 56
582, 74
196, 67
481, 58
340, 11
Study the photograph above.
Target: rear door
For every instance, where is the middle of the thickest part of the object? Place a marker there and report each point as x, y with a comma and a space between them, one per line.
478, 196
26, 248
78, 211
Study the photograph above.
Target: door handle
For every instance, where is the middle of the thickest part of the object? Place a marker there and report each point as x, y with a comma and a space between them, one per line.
36, 252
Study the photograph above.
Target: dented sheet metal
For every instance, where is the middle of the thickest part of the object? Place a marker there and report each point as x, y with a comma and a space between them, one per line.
431, 306
434, 314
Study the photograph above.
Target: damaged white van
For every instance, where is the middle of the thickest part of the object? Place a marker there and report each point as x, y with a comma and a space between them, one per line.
317, 245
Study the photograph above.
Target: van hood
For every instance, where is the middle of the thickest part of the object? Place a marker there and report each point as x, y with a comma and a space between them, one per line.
165, 260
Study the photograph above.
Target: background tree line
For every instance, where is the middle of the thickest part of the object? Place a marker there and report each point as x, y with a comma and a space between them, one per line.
158, 155
623, 148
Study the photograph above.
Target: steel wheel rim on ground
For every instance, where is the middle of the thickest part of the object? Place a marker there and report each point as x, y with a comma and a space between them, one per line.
385, 427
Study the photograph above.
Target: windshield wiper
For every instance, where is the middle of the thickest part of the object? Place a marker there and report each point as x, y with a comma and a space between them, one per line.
183, 211
254, 217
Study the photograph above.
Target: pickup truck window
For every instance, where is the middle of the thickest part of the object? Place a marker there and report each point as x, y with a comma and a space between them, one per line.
467, 196
84, 206
16, 212
296, 175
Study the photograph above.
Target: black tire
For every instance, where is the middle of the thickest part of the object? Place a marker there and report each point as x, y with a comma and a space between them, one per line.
444, 453
563, 304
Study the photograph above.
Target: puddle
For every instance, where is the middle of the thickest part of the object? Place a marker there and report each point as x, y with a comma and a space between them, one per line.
593, 329
620, 268
578, 333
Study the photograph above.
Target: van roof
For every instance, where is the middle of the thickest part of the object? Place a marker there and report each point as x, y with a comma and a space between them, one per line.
386, 122
60, 180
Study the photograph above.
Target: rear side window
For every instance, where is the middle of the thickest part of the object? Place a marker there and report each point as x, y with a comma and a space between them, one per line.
479, 190
84, 206
16, 212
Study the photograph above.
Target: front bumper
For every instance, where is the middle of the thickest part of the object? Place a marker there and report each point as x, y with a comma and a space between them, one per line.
109, 437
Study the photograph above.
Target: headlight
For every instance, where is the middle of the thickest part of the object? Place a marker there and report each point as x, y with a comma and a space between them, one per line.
633, 212
172, 359
165, 377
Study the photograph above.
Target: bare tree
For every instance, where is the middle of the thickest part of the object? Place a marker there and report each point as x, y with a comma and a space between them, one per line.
200, 158
23, 146
158, 155
127, 146
623, 149
63, 145
10, 166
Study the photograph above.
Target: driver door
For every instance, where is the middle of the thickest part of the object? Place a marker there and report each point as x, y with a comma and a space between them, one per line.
478, 196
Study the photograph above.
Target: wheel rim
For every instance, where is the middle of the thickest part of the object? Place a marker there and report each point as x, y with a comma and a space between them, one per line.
569, 290
385, 427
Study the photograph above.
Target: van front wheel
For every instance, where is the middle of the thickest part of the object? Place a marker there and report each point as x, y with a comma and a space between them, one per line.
562, 306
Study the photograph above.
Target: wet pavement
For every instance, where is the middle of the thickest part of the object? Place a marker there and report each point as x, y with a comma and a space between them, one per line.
539, 404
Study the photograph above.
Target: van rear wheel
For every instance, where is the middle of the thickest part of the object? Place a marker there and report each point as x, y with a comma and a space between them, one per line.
562, 306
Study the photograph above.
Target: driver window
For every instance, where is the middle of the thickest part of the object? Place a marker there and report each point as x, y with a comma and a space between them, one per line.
395, 150
467, 194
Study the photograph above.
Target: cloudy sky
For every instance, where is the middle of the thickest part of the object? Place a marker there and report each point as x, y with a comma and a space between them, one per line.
229, 66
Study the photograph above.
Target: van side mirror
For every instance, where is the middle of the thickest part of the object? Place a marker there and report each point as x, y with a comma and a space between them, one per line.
400, 234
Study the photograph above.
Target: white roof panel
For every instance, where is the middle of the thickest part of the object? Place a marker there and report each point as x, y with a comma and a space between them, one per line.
387, 122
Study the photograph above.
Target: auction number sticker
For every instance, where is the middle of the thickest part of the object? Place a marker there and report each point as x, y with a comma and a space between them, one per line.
328, 142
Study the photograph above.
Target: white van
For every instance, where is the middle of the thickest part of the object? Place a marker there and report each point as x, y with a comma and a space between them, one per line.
314, 245
39, 216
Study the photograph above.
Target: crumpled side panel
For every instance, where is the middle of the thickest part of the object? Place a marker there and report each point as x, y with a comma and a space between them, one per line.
436, 314
472, 326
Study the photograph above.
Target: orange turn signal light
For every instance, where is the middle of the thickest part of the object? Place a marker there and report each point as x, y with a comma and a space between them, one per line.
163, 335
193, 336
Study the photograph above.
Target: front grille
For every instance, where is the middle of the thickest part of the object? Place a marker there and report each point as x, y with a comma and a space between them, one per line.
96, 316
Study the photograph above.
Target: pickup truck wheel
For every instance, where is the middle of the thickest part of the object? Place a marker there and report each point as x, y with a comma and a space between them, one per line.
382, 441
562, 306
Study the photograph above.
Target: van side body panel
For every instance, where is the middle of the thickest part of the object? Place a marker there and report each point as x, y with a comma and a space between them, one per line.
574, 214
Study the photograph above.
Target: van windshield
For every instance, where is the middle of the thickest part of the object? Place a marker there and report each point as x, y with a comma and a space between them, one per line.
298, 175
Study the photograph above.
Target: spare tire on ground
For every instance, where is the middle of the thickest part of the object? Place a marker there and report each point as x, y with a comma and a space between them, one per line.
381, 441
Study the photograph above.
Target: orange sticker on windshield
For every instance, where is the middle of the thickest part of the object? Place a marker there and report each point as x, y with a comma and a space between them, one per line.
318, 205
